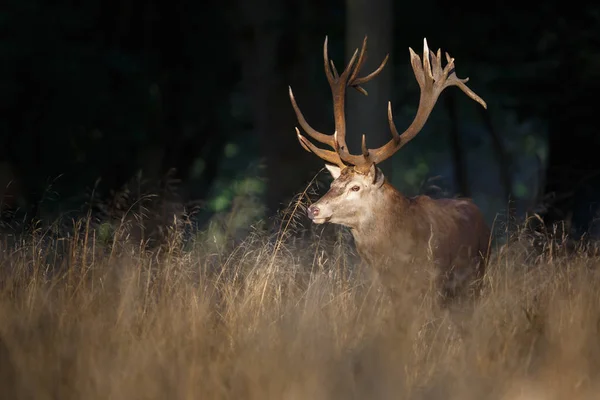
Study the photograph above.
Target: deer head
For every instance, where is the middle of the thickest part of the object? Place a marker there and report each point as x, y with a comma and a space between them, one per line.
350, 197
357, 177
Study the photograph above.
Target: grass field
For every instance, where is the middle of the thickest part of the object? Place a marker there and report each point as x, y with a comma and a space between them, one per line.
278, 318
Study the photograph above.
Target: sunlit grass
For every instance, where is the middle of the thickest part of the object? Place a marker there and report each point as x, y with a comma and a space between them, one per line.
277, 317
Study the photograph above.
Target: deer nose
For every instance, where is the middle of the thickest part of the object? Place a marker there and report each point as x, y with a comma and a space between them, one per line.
313, 212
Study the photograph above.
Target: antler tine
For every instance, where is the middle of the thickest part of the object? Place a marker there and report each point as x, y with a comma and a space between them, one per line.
365, 79
328, 73
427, 61
378, 155
437, 64
395, 135
338, 84
361, 60
318, 136
333, 77
334, 69
327, 155
354, 81
365, 150
453, 80
349, 67
432, 80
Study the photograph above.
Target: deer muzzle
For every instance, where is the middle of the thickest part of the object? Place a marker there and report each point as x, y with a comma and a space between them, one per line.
315, 215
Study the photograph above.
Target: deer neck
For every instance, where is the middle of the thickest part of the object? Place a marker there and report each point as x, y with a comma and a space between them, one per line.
389, 216
387, 208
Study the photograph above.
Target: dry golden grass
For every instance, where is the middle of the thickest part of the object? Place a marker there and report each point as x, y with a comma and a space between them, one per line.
273, 319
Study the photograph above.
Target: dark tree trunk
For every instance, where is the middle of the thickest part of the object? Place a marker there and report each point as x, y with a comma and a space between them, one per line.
368, 115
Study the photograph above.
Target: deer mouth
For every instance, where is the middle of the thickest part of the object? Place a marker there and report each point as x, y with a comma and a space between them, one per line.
320, 220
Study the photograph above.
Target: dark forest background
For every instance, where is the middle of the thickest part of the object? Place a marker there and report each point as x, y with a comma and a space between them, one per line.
103, 102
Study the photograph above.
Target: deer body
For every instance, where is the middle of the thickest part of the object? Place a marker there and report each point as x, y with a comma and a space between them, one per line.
418, 230
392, 231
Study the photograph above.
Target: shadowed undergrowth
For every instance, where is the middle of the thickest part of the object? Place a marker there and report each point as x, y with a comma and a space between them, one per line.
278, 318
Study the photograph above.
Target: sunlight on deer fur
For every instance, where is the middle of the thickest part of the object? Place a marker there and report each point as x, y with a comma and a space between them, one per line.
278, 317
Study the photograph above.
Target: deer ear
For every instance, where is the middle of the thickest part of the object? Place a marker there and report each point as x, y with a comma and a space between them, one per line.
333, 170
376, 175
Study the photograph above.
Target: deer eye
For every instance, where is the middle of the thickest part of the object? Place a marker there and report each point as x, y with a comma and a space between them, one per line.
355, 188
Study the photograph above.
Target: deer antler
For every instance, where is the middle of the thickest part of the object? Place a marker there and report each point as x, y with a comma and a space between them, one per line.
338, 84
432, 80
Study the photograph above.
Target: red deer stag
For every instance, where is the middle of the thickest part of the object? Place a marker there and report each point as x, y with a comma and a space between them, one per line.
389, 228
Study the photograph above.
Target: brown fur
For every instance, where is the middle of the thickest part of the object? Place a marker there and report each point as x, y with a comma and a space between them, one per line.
392, 231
